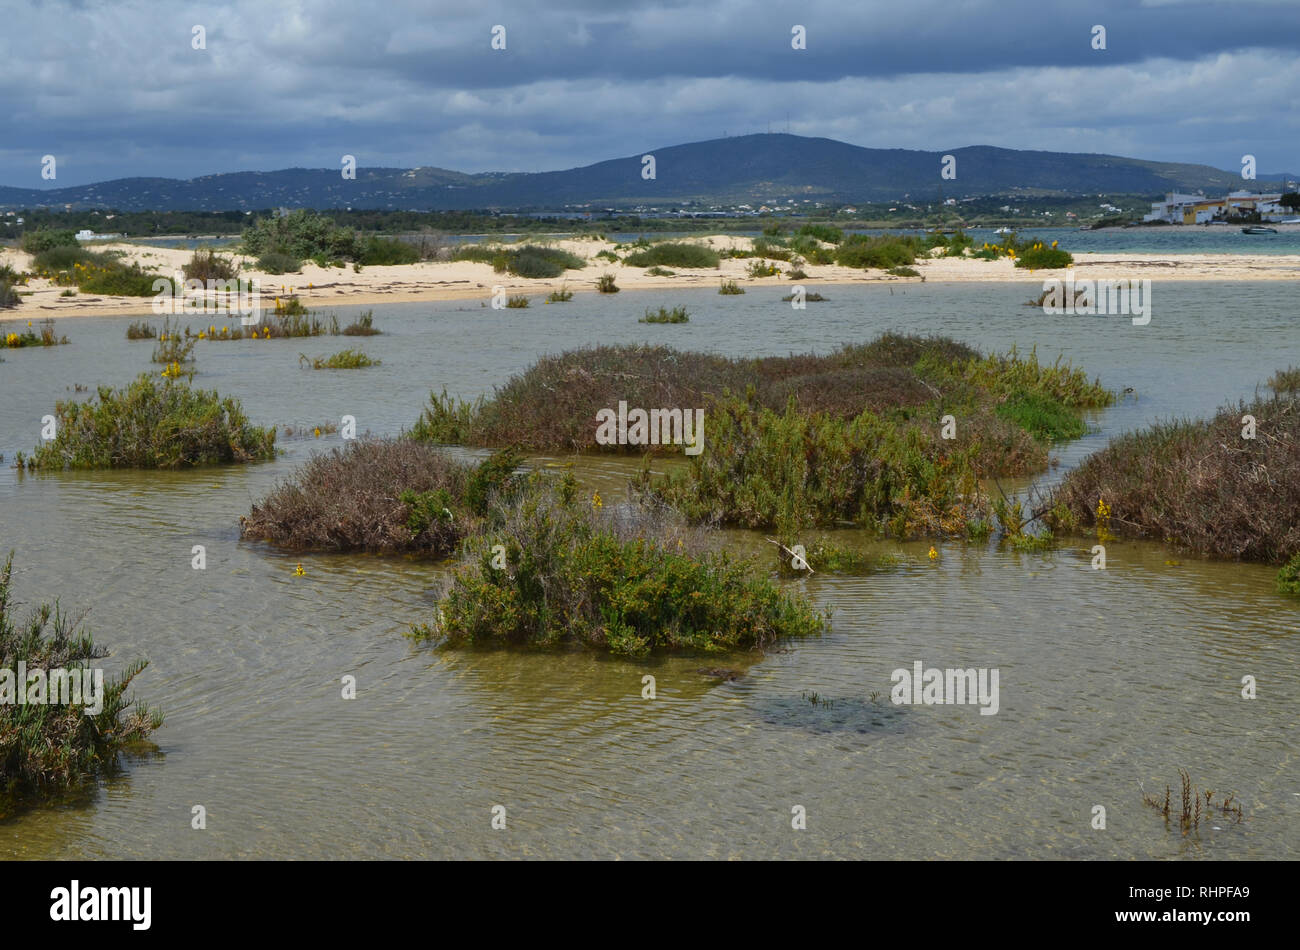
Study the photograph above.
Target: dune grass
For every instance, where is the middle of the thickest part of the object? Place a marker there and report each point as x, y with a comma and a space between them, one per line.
673, 254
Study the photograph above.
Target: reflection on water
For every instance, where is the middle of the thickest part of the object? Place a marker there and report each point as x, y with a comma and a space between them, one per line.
1109, 680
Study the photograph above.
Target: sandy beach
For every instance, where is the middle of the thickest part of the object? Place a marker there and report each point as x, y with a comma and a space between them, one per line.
456, 280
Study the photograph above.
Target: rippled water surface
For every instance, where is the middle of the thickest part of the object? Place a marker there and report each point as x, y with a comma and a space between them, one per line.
1109, 680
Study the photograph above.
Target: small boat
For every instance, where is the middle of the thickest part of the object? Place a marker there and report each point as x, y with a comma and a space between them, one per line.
1004, 231
1259, 230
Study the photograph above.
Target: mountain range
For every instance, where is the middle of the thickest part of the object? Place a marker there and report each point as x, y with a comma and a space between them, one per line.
748, 169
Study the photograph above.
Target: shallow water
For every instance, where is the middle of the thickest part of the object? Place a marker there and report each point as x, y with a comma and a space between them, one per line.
1109, 680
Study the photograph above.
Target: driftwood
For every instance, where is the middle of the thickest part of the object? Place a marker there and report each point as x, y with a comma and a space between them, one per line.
795, 558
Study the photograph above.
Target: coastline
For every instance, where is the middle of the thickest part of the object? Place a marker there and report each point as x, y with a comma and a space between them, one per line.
433, 281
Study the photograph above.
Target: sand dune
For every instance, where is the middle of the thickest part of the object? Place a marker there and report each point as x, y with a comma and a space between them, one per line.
455, 280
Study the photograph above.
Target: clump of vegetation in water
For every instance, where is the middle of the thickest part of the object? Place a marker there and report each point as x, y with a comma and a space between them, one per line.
363, 325
51, 746
344, 359
384, 496
605, 284
1286, 380
563, 295
1199, 484
517, 302
673, 254
554, 570
15, 339
1195, 805
804, 440
173, 347
664, 315
825, 556
151, 424
813, 297
1288, 577
141, 330
730, 287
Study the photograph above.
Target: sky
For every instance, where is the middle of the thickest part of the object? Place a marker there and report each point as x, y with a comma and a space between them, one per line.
117, 89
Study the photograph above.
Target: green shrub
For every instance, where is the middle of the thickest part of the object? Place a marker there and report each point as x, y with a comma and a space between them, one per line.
37, 242
563, 295
762, 269
141, 330
517, 302
823, 232
674, 254
152, 424
763, 248
605, 284
1288, 577
730, 287
1040, 257
382, 251
904, 272
279, 262
1045, 418
542, 262
861, 251
627, 585
49, 747
301, 234
658, 271
120, 280
8, 296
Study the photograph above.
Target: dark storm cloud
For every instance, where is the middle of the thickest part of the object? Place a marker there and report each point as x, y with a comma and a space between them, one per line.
115, 90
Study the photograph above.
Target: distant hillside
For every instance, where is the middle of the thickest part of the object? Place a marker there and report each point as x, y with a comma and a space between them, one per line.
746, 169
